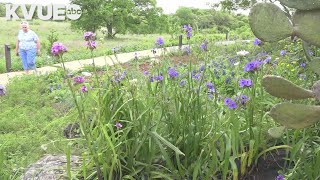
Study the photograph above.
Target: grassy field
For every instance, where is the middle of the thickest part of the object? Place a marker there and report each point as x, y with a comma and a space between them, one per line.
72, 39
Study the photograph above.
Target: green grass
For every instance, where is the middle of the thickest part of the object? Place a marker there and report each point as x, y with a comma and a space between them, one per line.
74, 41
176, 132
31, 117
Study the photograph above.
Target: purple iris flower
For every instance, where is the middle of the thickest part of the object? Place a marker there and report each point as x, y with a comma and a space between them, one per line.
204, 46
283, 52
158, 78
172, 72
230, 103
303, 65
210, 87
118, 76
280, 177
257, 41
182, 83
267, 60
252, 66
197, 76
160, 41
189, 34
311, 53
245, 83
243, 99
188, 30
146, 72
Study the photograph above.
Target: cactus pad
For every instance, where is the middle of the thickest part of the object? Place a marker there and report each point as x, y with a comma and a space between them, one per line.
302, 4
315, 65
296, 116
306, 25
269, 23
282, 88
316, 90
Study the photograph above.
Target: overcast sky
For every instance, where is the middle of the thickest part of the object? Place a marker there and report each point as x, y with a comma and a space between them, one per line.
169, 6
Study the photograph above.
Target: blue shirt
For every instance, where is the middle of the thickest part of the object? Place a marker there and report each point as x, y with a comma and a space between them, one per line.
27, 40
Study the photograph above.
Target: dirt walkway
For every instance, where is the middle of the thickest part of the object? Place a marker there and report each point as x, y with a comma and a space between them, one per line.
99, 61
78, 64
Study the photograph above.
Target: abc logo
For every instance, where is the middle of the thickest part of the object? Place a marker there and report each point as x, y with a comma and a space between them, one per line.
73, 11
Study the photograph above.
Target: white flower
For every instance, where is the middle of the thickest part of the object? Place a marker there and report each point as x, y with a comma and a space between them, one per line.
133, 82
242, 53
86, 74
44, 147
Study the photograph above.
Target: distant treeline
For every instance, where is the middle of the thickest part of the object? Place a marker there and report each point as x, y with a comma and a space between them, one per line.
144, 17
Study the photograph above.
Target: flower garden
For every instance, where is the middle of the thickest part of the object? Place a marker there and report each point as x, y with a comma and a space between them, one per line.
204, 119
203, 112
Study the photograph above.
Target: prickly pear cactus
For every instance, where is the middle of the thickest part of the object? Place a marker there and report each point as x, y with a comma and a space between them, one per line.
291, 115
270, 23
315, 65
306, 26
302, 4
282, 88
261, 26
295, 116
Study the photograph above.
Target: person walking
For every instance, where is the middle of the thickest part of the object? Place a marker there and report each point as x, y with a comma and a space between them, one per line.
27, 46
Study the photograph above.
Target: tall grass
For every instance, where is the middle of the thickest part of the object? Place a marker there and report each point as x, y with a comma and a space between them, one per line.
175, 127
174, 130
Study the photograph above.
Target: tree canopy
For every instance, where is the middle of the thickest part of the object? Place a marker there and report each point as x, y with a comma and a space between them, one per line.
117, 16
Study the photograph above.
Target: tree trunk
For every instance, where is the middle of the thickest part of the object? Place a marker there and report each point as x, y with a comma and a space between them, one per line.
109, 27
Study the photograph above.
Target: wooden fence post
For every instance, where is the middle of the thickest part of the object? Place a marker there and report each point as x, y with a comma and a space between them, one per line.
180, 42
7, 57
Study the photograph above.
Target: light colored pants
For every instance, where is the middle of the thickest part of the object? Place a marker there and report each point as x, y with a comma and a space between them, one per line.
28, 58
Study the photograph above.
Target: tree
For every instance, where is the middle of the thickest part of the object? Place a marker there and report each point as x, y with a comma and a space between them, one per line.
2, 10
116, 15
149, 20
174, 27
232, 5
185, 15
91, 18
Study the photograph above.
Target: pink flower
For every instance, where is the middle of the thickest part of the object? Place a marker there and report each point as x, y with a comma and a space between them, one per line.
118, 125
84, 88
89, 36
58, 49
78, 79
91, 44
